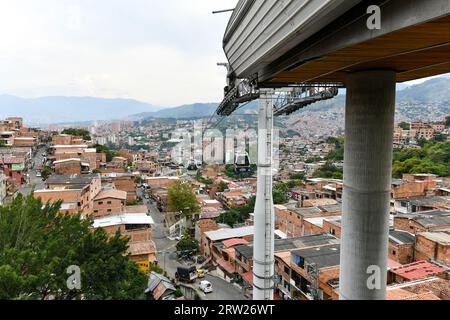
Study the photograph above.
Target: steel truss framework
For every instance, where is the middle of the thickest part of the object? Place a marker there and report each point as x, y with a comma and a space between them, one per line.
286, 100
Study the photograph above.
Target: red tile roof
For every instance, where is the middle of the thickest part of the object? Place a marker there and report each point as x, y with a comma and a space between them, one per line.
233, 242
393, 264
417, 270
248, 277
11, 160
228, 267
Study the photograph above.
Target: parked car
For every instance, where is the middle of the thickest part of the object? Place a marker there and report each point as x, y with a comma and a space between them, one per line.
200, 273
179, 238
206, 286
38, 174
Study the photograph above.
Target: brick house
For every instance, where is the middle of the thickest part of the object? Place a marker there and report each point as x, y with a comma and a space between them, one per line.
425, 221
433, 246
401, 246
122, 181
76, 191
136, 226
202, 226
109, 202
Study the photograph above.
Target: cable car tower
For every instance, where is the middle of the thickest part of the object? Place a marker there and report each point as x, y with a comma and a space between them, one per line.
272, 102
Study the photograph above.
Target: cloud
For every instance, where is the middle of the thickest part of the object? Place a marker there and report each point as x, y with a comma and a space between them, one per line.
162, 52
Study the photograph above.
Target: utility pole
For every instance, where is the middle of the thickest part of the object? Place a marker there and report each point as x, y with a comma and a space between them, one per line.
264, 224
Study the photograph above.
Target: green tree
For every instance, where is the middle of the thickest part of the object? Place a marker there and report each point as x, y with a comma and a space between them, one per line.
46, 172
38, 244
447, 122
78, 132
187, 245
338, 153
104, 149
181, 198
203, 179
404, 125
328, 171
294, 183
433, 157
222, 186
440, 137
297, 176
237, 214
280, 193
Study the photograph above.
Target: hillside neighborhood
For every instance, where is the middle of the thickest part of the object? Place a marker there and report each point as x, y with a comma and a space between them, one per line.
191, 223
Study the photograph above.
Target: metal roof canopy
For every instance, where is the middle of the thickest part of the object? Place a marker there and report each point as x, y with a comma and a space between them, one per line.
414, 40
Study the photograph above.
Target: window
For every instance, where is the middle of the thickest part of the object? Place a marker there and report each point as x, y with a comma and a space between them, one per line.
393, 252
109, 210
100, 202
109, 202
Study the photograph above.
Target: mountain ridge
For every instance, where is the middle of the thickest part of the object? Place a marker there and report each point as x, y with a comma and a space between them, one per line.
72, 109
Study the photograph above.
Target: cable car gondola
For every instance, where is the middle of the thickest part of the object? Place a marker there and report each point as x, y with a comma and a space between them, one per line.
241, 163
192, 166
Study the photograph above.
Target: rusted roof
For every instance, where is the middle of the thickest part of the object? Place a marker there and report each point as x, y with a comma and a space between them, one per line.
417, 270
234, 242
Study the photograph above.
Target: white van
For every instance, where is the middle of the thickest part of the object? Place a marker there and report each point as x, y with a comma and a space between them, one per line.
206, 286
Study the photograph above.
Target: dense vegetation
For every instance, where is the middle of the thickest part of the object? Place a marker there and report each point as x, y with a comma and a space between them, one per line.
187, 246
104, 149
404, 125
433, 157
238, 214
181, 198
78, 132
279, 192
328, 171
203, 179
338, 153
46, 172
37, 245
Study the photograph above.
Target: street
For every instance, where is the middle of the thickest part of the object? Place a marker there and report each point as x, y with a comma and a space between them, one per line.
34, 182
167, 258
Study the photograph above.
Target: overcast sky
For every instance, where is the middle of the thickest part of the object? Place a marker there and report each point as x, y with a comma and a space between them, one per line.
162, 52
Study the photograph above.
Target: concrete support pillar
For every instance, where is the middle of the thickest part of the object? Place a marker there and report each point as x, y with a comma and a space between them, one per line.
264, 218
369, 126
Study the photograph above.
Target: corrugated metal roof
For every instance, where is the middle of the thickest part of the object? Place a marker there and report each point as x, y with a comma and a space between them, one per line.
223, 234
127, 218
401, 237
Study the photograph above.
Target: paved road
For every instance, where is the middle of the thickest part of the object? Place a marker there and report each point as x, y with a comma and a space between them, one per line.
34, 182
167, 258
222, 290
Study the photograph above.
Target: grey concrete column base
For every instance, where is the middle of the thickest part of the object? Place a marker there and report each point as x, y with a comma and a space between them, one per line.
369, 127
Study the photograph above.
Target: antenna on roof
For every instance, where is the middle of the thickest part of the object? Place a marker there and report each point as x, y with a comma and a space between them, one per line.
222, 11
